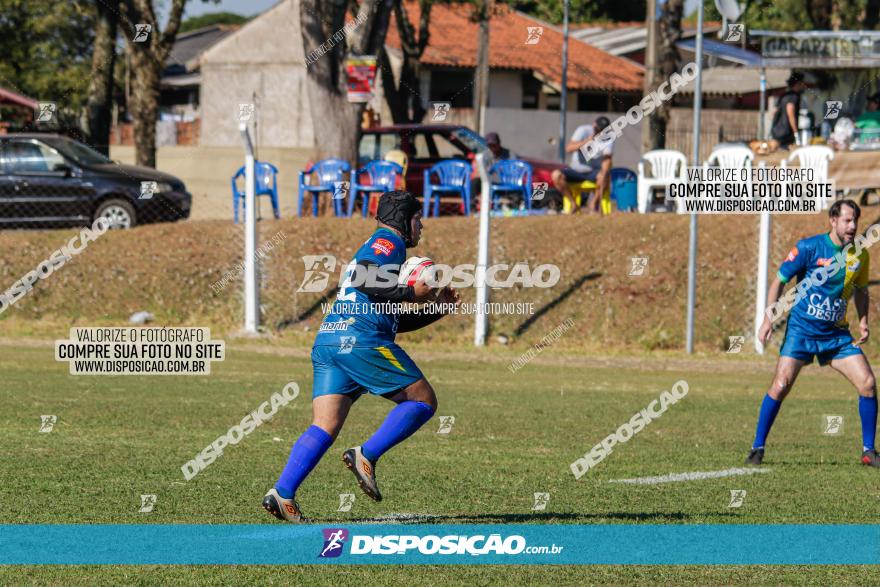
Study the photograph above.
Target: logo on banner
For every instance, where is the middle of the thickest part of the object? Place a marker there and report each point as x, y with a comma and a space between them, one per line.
334, 540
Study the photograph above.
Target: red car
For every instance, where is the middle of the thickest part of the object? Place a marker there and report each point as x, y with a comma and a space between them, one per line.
427, 144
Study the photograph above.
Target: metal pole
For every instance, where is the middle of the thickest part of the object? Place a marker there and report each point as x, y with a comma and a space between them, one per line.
650, 70
692, 241
563, 104
251, 269
761, 293
482, 319
763, 99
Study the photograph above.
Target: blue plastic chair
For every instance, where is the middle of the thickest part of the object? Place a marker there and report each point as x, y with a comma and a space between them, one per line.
512, 175
329, 172
265, 184
383, 176
453, 176
624, 188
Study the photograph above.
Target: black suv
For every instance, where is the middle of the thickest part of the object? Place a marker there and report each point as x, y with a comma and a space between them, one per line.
52, 179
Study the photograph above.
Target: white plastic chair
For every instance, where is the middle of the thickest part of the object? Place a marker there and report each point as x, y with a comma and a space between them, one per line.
815, 157
667, 167
732, 157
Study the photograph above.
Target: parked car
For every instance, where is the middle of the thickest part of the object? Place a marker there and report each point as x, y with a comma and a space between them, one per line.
49, 179
426, 145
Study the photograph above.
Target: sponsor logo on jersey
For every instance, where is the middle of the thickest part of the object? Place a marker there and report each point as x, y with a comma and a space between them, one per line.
382, 246
335, 326
823, 262
825, 308
792, 254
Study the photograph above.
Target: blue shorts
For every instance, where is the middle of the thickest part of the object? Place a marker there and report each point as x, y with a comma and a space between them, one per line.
377, 370
825, 349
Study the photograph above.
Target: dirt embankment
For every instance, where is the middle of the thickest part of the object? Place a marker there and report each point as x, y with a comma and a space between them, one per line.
169, 270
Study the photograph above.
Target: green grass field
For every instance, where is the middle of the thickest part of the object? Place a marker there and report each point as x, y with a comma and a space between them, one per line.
119, 437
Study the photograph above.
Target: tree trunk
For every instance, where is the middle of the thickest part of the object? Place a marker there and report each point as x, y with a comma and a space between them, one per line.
403, 98
820, 12
668, 58
100, 92
394, 93
147, 59
872, 14
144, 106
335, 120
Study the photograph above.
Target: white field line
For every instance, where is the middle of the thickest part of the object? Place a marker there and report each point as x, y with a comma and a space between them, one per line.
695, 476
399, 518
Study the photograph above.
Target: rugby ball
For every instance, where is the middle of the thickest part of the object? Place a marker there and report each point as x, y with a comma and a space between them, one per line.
413, 269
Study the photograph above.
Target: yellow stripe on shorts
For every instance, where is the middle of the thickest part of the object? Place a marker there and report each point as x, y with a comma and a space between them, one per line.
386, 352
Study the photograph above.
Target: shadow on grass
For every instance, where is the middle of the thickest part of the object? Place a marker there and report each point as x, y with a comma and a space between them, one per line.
288, 322
535, 517
555, 302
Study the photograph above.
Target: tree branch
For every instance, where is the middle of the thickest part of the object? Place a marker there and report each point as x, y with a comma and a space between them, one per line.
424, 22
170, 32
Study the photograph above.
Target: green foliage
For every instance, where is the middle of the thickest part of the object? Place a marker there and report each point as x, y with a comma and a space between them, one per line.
197, 22
792, 15
583, 10
46, 50
778, 15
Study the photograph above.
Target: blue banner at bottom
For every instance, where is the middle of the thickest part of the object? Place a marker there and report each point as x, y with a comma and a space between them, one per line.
179, 544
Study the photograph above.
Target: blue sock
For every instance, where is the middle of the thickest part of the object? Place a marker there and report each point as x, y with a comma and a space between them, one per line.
769, 409
304, 455
399, 424
868, 413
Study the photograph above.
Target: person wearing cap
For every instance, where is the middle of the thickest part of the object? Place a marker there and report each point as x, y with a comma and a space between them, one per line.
355, 352
493, 141
785, 124
597, 169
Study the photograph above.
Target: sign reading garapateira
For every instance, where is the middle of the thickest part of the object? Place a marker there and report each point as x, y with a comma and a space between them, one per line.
140, 351
858, 48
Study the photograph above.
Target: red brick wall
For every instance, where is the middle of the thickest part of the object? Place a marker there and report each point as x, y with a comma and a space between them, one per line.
187, 133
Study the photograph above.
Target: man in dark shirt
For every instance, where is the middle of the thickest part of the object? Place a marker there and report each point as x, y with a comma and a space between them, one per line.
785, 127
493, 141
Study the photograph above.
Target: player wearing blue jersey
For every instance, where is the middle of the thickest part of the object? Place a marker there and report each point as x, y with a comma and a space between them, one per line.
829, 270
355, 352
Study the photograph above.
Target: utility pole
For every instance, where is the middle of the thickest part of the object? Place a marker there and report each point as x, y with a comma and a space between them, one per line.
563, 98
481, 96
650, 69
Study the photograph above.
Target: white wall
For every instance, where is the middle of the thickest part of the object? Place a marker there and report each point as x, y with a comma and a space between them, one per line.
264, 57
535, 133
505, 89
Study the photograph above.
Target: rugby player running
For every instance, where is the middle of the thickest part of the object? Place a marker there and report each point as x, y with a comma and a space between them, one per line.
817, 324
354, 352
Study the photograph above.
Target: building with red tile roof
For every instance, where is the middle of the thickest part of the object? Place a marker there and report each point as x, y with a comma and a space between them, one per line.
525, 60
